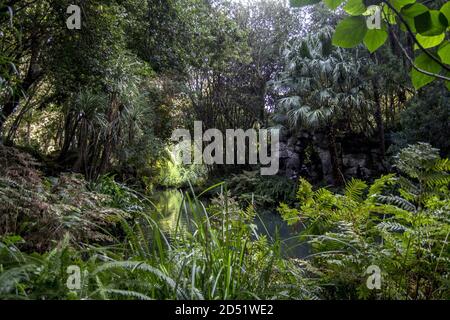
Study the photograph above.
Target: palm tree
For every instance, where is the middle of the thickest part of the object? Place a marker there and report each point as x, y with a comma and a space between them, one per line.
324, 90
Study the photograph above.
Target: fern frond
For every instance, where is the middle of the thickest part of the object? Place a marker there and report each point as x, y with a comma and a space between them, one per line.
397, 201
392, 226
380, 184
354, 189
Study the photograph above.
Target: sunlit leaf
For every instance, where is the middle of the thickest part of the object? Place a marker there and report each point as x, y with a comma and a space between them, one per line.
430, 23
444, 53
374, 39
399, 4
355, 7
425, 63
430, 42
445, 10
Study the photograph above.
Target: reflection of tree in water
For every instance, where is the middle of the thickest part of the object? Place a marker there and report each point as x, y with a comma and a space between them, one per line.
169, 206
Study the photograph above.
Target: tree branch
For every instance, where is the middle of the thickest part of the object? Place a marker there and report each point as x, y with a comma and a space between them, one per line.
415, 66
414, 38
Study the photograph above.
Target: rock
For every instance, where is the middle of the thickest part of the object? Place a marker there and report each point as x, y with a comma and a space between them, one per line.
283, 150
354, 160
327, 168
293, 162
292, 141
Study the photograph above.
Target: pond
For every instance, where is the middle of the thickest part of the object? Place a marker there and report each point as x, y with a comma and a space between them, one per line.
169, 202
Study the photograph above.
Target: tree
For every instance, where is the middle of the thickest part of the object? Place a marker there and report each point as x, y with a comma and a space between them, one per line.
326, 90
425, 119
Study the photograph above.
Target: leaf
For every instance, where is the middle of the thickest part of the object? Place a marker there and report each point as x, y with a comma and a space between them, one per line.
430, 42
414, 10
444, 52
350, 32
424, 62
430, 23
411, 11
410, 22
333, 4
374, 39
355, 7
398, 4
389, 15
302, 3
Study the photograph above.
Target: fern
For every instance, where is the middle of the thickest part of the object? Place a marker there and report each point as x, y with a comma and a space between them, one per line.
380, 184
392, 226
354, 190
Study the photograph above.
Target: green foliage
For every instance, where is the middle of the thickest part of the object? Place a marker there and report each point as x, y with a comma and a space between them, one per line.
423, 61
45, 210
425, 119
321, 83
399, 224
350, 32
251, 187
172, 174
219, 259
426, 25
374, 39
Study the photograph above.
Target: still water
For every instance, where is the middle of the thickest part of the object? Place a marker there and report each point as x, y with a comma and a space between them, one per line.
269, 223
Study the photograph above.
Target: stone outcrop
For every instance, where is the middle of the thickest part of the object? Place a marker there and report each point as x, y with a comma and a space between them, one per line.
308, 155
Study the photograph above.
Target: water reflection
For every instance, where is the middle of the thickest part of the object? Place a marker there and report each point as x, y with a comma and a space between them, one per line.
168, 204
170, 217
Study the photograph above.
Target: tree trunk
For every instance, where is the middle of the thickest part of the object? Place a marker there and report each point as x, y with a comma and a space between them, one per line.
108, 143
379, 120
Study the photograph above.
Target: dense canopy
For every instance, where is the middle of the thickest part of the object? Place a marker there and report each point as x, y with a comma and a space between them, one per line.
355, 96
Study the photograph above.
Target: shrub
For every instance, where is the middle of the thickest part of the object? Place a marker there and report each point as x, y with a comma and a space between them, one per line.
400, 224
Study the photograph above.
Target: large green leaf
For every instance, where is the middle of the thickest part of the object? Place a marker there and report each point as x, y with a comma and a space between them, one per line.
410, 22
430, 23
333, 4
409, 12
302, 3
424, 62
430, 42
389, 15
355, 7
374, 39
350, 32
444, 52
445, 10
399, 4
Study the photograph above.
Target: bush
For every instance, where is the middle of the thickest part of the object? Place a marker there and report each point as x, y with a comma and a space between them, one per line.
219, 259
425, 120
44, 210
251, 187
400, 224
